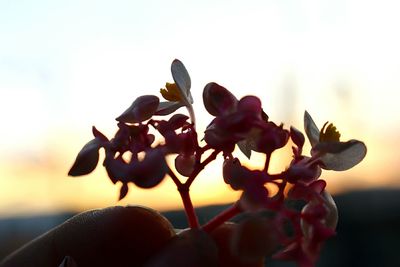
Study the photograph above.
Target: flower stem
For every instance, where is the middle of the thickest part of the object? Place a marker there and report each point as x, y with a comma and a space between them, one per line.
200, 167
222, 217
189, 210
177, 182
267, 161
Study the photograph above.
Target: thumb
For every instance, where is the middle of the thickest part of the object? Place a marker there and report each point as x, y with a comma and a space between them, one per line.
194, 248
116, 236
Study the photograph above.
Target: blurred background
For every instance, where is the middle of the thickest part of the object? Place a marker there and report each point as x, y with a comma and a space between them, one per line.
68, 65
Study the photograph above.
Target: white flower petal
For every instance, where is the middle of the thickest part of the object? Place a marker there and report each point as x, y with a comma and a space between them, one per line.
182, 80
332, 217
166, 108
311, 129
143, 108
347, 158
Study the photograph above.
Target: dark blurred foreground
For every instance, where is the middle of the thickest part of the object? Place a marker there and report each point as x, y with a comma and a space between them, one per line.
368, 229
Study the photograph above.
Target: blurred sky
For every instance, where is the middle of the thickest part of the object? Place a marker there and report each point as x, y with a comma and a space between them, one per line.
68, 65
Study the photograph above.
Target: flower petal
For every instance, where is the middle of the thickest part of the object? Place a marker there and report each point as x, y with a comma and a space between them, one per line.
87, 159
166, 108
182, 80
143, 108
332, 217
345, 159
311, 129
331, 147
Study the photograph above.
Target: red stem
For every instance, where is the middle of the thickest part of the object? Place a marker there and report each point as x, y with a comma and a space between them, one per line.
267, 161
222, 217
177, 182
189, 210
200, 167
184, 190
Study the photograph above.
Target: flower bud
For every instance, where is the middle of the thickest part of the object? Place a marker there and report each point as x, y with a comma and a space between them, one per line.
301, 171
234, 174
184, 164
218, 100
152, 170
271, 138
251, 104
325, 213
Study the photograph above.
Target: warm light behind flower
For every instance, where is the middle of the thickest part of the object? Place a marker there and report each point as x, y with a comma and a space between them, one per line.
58, 75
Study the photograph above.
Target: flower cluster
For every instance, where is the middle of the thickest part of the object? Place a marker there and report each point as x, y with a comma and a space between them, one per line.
134, 155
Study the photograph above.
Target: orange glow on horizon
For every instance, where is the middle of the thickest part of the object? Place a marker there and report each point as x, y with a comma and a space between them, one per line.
42, 185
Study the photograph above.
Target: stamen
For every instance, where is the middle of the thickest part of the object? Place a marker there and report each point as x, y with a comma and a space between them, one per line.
171, 92
329, 133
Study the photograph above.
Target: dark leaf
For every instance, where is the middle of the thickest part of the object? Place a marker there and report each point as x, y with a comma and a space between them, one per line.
87, 159
297, 137
123, 191
98, 135
245, 147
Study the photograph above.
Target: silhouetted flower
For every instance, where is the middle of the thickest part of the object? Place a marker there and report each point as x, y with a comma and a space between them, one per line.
332, 153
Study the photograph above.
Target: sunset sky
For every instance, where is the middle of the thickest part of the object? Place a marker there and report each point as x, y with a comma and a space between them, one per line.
68, 65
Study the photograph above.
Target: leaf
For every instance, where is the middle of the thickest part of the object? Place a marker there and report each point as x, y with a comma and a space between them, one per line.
97, 134
143, 108
250, 143
123, 191
182, 80
353, 153
311, 129
297, 137
166, 108
245, 148
87, 159
178, 120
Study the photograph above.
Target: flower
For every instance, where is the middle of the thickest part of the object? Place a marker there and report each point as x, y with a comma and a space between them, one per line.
177, 94
329, 150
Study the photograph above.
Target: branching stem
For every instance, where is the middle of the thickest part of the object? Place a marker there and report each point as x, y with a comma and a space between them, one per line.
222, 217
188, 205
